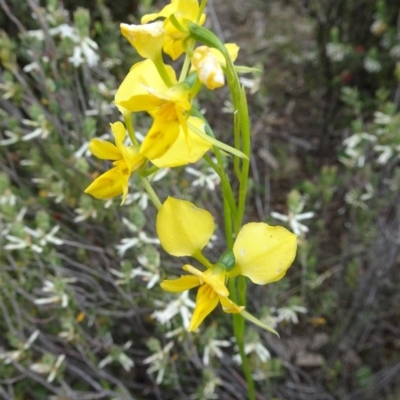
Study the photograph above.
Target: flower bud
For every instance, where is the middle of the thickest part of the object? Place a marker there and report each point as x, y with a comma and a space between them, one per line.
208, 68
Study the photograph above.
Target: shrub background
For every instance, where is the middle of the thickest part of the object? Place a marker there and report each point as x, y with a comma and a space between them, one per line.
78, 316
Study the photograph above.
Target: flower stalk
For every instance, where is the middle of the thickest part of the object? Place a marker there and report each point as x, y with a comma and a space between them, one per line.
181, 135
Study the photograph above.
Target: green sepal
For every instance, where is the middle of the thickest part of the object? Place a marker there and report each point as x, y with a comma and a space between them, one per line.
245, 70
227, 260
257, 322
206, 37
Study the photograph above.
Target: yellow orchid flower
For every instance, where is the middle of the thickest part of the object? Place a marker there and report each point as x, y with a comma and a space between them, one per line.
144, 90
127, 160
209, 63
262, 252
211, 292
182, 10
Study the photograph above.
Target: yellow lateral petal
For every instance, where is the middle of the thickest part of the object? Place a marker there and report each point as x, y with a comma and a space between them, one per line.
180, 154
185, 282
229, 306
107, 185
206, 301
263, 253
183, 229
212, 277
104, 150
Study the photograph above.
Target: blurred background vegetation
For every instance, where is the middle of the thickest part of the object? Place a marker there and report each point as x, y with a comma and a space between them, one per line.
82, 316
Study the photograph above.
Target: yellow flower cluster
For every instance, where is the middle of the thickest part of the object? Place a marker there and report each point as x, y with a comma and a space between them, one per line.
177, 137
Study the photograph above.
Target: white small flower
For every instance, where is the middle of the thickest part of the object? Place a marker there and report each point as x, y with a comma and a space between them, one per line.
378, 27
293, 220
254, 347
140, 239
57, 287
289, 314
209, 178
381, 118
251, 83
117, 355
212, 348
386, 154
41, 238
357, 199
139, 197
15, 355
336, 51
12, 138
85, 213
41, 128
85, 49
181, 305
354, 140
50, 366
158, 362
371, 65
159, 175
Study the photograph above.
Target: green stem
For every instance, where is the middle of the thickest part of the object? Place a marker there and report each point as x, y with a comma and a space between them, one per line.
186, 63
228, 224
244, 176
150, 191
201, 9
202, 259
129, 127
241, 167
149, 171
226, 187
159, 63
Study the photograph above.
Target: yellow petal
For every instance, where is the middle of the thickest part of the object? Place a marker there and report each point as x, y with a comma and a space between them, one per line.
173, 46
133, 93
233, 51
206, 301
263, 253
180, 153
107, 185
147, 39
165, 12
229, 306
119, 132
104, 150
177, 95
181, 284
130, 154
182, 10
183, 229
212, 277
160, 138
